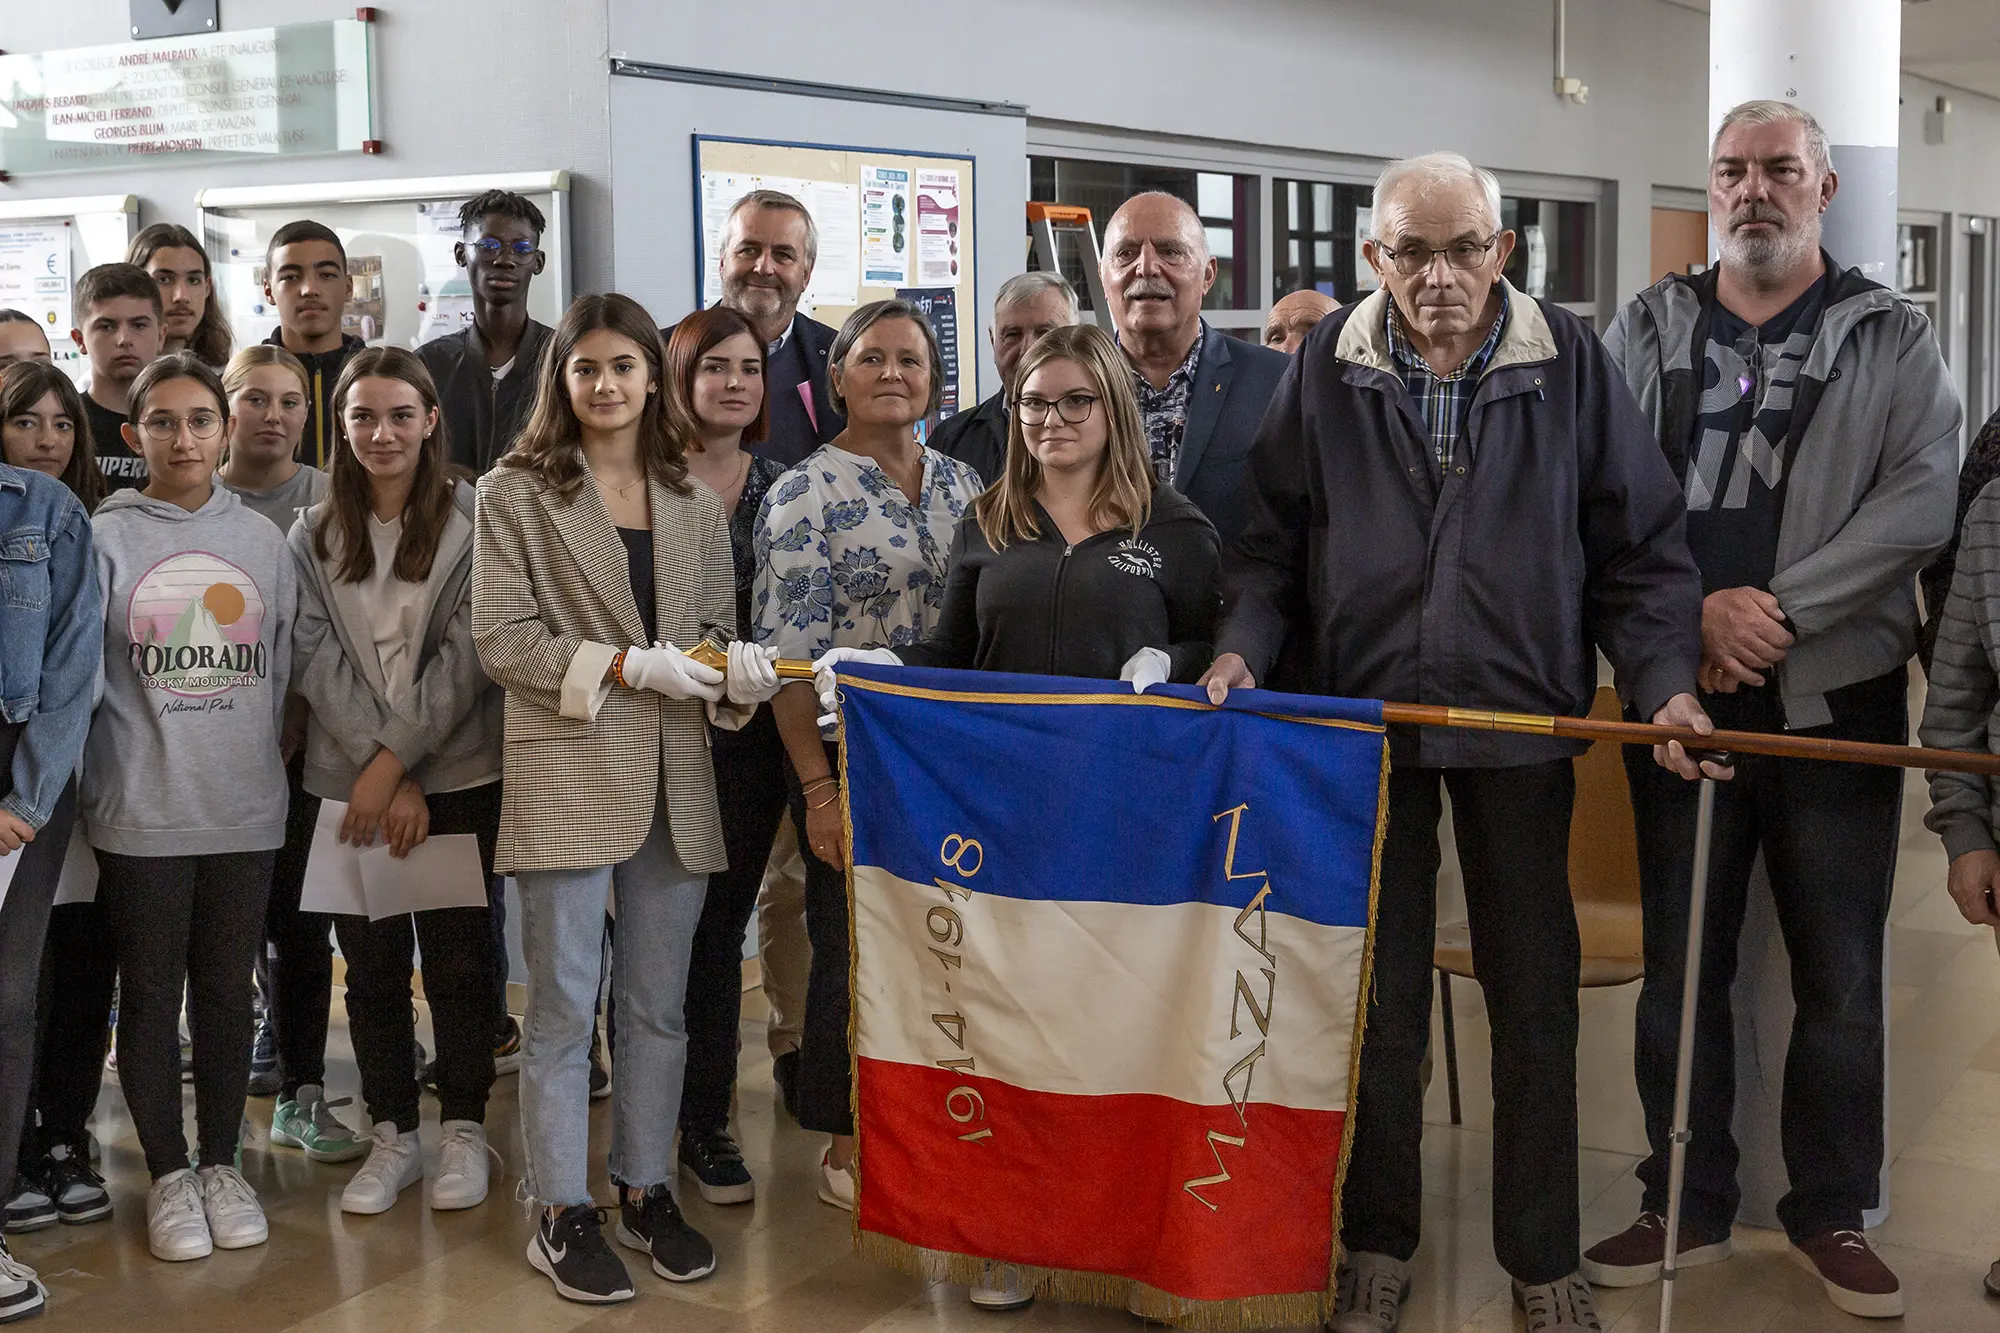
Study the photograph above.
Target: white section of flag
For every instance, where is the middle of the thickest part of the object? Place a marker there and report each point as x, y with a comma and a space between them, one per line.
1102, 998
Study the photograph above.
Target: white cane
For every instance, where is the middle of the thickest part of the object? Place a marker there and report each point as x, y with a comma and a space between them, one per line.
1704, 826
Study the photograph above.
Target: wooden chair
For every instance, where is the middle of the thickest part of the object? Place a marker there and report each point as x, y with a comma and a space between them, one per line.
1603, 883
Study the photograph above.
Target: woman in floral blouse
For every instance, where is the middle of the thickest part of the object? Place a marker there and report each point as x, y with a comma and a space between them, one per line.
851, 552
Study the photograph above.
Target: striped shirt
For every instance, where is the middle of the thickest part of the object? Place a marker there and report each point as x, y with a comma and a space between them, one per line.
1442, 400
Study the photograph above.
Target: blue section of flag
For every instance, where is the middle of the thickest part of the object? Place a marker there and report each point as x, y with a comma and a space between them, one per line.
1120, 801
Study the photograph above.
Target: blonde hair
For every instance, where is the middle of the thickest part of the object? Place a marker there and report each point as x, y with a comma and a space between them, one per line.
237, 373
1123, 495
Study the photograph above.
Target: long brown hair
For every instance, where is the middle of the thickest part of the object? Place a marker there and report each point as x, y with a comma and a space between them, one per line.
348, 508
211, 339
1123, 495
694, 338
551, 444
26, 383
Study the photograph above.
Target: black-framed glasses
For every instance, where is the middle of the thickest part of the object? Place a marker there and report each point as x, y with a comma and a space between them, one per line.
493, 246
1074, 408
1464, 256
165, 426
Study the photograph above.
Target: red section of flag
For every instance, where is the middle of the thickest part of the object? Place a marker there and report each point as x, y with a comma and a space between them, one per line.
1100, 1184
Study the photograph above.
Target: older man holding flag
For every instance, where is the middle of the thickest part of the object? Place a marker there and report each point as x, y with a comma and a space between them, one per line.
1454, 500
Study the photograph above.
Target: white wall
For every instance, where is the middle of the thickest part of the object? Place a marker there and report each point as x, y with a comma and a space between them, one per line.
461, 87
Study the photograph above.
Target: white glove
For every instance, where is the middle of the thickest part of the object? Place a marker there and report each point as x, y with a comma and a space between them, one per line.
823, 680
1148, 666
667, 670
753, 673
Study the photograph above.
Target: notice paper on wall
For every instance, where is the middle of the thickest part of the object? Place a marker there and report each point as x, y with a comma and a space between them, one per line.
835, 208
885, 226
937, 229
939, 307
441, 871
34, 273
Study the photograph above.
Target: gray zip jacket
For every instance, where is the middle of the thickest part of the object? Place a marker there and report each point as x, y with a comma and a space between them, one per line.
447, 731
1871, 485
1962, 706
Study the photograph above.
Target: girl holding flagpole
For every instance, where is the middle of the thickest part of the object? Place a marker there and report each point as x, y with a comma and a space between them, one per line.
851, 550
405, 729
597, 560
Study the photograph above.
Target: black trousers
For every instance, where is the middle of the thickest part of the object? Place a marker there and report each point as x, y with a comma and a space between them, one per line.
1828, 833
298, 952
185, 925
825, 1068
750, 784
458, 982
1512, 831
24, 922
73, 1023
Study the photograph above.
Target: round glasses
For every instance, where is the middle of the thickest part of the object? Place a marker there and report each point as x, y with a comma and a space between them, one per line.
1464, 256
1073, 408
493, 246
163, 428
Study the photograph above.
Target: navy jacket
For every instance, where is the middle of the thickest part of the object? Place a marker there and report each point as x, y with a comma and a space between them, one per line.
481, 418
792, 432
1559, 529
1233, 384
977, 438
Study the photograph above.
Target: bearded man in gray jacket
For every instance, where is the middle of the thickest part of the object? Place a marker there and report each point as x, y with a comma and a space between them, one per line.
1809, 415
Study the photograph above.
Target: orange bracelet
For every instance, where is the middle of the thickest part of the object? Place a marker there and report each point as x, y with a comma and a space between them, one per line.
618, 669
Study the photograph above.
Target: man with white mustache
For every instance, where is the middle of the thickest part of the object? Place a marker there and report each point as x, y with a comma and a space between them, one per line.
1809, 415
1201, 392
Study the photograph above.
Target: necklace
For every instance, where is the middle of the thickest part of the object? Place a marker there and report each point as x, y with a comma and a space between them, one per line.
614, 487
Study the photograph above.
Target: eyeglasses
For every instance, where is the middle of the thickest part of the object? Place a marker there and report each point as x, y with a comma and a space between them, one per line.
1464, 256
165, 427
493, 247
1071, 407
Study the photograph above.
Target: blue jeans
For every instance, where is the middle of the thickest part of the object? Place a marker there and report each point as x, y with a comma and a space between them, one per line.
562, 932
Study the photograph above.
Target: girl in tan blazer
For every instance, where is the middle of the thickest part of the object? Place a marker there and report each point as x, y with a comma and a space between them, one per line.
596, 561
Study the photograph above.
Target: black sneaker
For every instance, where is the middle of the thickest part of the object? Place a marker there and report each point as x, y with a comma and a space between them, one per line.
22, 1294
600, 1077
264, 1060
717, 1166
654, 1224
569, 1250
29, 1208
785, 1072
77, 1191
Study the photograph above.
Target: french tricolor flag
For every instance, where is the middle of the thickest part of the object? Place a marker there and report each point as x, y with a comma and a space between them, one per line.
1109, 953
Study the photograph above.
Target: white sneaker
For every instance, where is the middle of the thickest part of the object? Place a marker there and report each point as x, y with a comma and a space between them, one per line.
22, 1294
235, 1218
395, 1162
462, 1170
176, 1220
836, 1185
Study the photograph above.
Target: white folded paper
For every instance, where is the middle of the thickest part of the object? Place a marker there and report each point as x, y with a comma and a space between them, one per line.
79, 872
441, 871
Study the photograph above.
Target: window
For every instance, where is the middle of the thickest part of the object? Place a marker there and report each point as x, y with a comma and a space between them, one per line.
1554, 253
1223, 202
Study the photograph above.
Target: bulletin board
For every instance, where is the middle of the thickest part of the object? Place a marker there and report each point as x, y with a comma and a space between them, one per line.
398, 234
891, 223
46, 245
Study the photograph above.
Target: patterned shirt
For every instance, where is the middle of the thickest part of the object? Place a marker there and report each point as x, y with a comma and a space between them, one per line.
1164, 410
743, 535
1442, 400
845, 560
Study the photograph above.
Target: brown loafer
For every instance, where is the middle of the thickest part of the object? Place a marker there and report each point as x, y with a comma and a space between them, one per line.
1635, 1256
1855, 1278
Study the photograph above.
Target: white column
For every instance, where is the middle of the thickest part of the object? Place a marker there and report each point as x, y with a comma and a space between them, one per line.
1839, 60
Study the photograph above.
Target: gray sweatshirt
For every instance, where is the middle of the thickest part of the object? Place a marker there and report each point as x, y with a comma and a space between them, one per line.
1962, 706
183, 756
284, 503
447, 729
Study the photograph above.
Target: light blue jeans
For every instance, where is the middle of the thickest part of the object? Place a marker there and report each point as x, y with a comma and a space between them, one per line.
658, 903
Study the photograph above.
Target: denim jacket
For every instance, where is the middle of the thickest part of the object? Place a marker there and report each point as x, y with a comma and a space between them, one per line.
51, 636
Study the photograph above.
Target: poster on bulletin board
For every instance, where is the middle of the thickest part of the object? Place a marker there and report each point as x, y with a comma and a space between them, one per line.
892, 223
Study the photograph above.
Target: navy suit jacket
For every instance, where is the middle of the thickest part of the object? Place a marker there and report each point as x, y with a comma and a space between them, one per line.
1233, 384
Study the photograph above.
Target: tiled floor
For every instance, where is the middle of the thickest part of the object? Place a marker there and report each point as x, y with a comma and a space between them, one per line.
786, 1267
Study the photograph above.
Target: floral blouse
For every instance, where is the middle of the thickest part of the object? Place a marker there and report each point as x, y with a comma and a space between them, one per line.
743, 537
845, 560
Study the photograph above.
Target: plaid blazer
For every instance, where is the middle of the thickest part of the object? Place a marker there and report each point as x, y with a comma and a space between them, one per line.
551, 606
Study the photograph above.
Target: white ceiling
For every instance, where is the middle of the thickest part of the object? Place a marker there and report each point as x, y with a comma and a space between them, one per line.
1951, 41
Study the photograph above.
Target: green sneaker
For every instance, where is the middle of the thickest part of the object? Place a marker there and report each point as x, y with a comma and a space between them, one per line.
307, 1121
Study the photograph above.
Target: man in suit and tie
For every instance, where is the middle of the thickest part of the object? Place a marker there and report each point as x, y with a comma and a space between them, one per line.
769, 245
1202, 393
1027, 306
